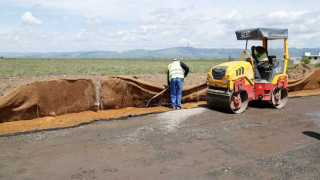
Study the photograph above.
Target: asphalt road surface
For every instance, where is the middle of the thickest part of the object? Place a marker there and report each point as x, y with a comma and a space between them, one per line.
199, 143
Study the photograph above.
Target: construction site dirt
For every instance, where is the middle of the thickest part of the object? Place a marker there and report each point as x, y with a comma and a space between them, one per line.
197, 143
53, 130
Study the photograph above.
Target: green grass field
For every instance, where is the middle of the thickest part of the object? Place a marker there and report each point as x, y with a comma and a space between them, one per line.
32, 66
29, 66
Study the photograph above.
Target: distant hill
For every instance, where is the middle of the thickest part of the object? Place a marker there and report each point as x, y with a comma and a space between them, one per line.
178, 52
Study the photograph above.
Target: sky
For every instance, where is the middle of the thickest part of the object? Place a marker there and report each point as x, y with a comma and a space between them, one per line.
118, 25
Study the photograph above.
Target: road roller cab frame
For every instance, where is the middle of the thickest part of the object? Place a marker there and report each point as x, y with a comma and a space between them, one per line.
231, 85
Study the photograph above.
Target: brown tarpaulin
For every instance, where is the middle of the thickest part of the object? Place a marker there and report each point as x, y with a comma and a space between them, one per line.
309, 82
124, 91
48, 98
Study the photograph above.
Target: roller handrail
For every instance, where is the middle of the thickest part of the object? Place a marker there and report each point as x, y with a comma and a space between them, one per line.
286, 56
248, 54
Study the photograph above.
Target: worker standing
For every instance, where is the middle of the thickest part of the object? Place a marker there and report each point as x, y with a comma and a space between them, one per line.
176, 73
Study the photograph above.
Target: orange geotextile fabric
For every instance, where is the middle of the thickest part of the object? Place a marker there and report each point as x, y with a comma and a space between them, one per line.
124, 91
74, 119
48, 98
51, 98
309, 82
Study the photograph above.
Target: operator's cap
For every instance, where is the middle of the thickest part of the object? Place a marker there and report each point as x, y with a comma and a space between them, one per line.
260, 49
174, 59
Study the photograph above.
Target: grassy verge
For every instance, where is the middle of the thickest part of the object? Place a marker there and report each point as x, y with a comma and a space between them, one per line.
44, 66
34, 66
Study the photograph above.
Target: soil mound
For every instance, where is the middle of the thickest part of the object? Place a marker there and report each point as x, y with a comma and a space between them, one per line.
310, 81
299, 71
48, 98
124, 91
51, 98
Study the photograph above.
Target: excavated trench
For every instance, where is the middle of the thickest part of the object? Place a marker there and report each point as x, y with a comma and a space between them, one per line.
70, 102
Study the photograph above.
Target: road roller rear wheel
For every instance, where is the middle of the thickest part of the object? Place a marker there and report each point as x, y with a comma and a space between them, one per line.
279, 97
239, 102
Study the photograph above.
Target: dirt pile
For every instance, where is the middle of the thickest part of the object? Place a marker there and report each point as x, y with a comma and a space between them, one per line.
124, 91
9, 83
299, 71
309, 82
51, 98
48, 98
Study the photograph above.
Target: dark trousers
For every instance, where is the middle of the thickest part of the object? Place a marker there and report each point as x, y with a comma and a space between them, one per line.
258, 66
176, 85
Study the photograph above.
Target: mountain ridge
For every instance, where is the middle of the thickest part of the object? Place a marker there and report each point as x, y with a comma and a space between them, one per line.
179, 52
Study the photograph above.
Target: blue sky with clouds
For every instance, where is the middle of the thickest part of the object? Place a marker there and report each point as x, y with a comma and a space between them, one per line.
83, 25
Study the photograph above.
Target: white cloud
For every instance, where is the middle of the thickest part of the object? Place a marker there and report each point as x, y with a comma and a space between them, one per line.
234, 20
162, 11
64, 17
166, 27
89, 18
28, 18
167, 16
288, 17
152, 24
232, 17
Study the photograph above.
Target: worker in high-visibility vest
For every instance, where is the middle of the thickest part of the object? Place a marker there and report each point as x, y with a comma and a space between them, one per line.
262, 59
176, 73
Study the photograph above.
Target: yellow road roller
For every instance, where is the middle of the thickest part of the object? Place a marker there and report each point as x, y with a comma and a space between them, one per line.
232, 85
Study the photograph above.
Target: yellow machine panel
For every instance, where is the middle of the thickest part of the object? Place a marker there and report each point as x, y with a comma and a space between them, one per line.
224, 74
